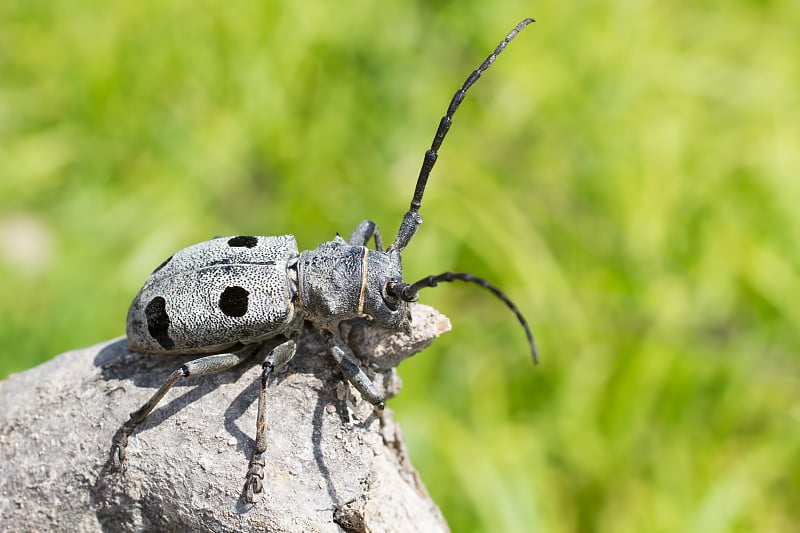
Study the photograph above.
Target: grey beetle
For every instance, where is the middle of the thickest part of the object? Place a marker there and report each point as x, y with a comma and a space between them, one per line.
223, 298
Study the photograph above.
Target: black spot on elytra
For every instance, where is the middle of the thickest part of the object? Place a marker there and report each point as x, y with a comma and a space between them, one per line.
243, 241
233, 301
162, 265
158, 322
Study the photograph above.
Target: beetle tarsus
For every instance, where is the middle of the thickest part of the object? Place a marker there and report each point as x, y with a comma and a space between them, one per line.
254, 483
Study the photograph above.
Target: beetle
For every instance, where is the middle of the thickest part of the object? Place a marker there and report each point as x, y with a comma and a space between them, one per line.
222, 299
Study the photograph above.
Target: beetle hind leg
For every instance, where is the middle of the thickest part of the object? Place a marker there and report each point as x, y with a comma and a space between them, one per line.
204, 366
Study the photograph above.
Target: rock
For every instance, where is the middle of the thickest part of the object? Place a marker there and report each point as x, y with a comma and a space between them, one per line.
332, 462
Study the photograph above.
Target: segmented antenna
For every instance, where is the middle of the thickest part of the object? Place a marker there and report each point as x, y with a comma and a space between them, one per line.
412, 219
410, 293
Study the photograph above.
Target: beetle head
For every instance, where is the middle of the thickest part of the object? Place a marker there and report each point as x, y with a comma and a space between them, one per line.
339, 281
386, 309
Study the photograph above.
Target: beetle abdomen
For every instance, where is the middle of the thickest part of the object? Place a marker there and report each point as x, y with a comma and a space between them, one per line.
215, 296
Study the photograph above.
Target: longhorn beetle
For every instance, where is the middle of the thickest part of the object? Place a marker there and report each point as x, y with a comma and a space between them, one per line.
223, 298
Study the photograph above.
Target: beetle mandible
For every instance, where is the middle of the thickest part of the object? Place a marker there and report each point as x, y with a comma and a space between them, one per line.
223, 298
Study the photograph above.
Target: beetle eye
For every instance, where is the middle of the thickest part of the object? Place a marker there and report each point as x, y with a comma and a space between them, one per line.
389, 297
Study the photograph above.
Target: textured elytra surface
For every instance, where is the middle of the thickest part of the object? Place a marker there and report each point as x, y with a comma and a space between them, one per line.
333, 464
205, 295
241, 249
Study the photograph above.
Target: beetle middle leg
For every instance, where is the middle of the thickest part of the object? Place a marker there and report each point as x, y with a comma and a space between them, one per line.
364, 232
276, 358
203, 366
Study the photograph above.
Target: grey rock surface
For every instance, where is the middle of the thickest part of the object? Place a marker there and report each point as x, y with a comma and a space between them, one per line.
333, 463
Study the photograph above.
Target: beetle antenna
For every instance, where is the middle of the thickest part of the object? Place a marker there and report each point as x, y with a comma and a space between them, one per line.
410, 293
412, 219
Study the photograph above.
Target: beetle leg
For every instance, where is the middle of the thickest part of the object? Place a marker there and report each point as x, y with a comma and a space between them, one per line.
364, 232
278, 357
352, 370
203, 366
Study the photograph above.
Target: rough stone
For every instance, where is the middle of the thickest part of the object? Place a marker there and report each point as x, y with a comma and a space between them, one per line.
333, 463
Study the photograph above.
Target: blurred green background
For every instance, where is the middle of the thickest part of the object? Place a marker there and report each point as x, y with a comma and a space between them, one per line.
627, 171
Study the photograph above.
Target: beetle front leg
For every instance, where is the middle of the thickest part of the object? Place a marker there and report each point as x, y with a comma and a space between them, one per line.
364, 232
278, 357
352, 370
203, 366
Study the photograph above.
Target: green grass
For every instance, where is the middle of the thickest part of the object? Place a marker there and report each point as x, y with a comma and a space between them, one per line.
627, 171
